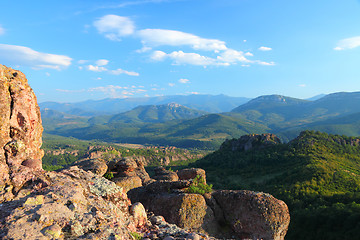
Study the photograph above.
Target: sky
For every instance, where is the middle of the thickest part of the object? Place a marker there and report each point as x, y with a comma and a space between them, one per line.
77, 50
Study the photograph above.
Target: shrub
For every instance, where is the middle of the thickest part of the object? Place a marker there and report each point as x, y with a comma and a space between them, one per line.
199, 186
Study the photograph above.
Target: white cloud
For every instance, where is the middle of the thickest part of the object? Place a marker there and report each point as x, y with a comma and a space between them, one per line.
122, 71
265, 63
158, 55
118, 91
28, 57
99, 67
180, 57
2, 30
96, 68
302, 85
114, 27
102, 62
348, 43
171, 84
232, 56
184, 80
264, 48
161, 37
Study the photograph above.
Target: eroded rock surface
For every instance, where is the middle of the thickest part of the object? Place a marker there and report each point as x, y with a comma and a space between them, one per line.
129, 173
20, 133
254, 215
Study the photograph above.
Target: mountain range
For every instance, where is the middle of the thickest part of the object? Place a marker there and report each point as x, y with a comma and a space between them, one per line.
202, 102
174, 124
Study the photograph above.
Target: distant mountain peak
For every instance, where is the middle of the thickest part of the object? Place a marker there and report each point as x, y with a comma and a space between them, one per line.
174, 105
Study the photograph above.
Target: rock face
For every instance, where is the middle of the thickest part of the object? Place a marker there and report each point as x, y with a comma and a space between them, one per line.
251, 141
20, 133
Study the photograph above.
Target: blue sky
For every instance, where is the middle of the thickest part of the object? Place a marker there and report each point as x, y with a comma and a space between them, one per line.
91, 49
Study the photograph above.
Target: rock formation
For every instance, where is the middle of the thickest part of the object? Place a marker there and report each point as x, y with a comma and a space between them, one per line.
251, 141
247, 214
20, 133
35, 204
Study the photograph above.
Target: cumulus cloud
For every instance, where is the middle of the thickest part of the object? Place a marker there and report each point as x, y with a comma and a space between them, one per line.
232, 56
28, 57
180, 57
158, 55
264, 48
96, 68
184, 80
99, 67
114, 27
348, 43
161, 37
171, 84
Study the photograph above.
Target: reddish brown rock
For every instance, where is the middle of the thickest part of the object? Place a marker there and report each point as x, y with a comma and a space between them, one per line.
191, 173
128, 167
75, 204
97, 166
128, 183
162, 174
254, 215
20, 133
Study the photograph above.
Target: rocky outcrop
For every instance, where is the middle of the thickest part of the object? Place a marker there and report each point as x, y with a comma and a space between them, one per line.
251, 141
79, 204
162, 174
34, 204
246, 214
20, 133
74, 204
98, 166
253, 215
191, 173
128, 173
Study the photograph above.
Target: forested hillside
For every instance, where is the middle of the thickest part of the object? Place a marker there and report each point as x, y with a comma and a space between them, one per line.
316, 174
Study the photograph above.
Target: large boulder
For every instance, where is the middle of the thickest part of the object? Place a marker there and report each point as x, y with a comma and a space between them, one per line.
97, 166
162, 174
254, 215
20, 133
